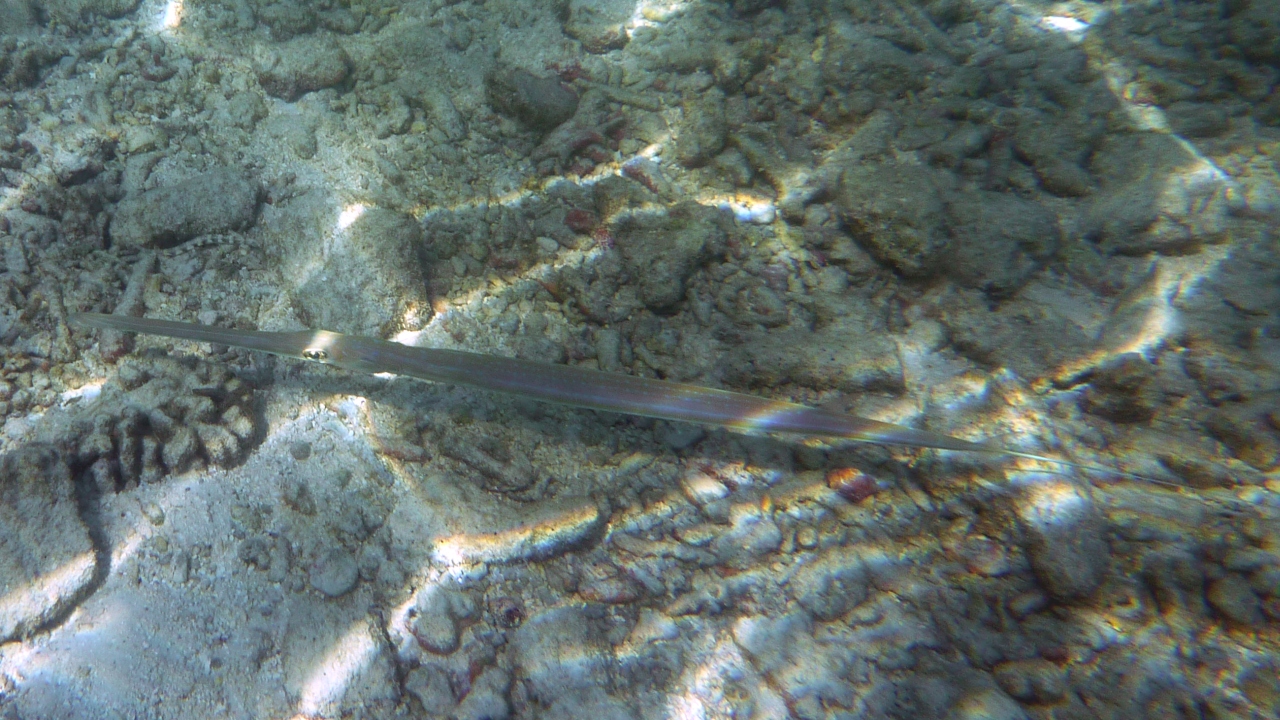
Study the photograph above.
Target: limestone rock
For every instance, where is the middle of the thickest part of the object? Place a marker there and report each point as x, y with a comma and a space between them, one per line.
218, 201
541, 103
1065, 538
896, 211
663, 252
47, 560
304, 65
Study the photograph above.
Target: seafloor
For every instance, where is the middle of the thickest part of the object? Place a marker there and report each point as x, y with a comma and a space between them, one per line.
1050, 225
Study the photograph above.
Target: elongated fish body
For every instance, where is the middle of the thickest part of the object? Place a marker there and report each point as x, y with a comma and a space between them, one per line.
563, 384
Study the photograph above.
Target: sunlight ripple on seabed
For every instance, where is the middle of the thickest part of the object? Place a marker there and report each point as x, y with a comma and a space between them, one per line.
327, 683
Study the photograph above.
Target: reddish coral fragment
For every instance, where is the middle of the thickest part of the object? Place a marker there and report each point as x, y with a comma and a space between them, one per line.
580, 221
851, 484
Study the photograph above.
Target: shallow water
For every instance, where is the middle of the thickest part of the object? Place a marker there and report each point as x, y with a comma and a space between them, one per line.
1049, 225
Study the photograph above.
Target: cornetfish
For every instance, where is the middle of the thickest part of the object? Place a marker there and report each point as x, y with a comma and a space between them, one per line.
565, 385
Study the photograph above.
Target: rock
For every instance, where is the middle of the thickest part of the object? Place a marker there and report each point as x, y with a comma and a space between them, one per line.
662, 252
1246, 438
600, 25
1121, 390
1064, 536
1250, 559
895, 209
1266, 582
681, 436
437, 632
1027, 604
256, 552
440, 614
601, 581
17, 17
47, 559
1255, 28
487, 699
753, 533
701, 489
549, 533
987, 704
242, 110
1176, 578
1232, 597
702, 133
1055, 152
559, 652
287, 19
371, 280
218, 201
784, 649
846, 354
1151, 200
1261, 685
999, 240
540, 103
429, 685
1198, 120
304, 65
335, 573
593, 704
1029, 338
831, 585
855, 59
1032, 681
294, 132
64, 11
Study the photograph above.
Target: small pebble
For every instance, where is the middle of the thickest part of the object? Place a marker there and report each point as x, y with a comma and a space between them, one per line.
547, 245
1232, 597
154, 514
300, 450
1065, 538
702, 489
1032, 681
335, 574
1027, 604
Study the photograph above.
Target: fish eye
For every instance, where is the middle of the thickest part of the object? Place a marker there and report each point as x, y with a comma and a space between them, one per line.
317, 354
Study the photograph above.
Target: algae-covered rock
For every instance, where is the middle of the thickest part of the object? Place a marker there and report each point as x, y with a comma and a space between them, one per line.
831, 585
17, 16
1255, 29
335, 573
1122, 390
541, 103
999, 240
1154, 197
1056, 151
600, 25
304, 65
69, 10
287, 18
896, 211
663, 251
560, 652
849, 355
46, 557
703, 130
218, 201
856, 58
1065, 539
